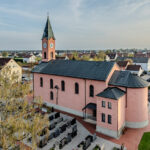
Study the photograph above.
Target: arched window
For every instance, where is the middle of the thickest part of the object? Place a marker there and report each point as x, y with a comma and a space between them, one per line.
44, 55
76, 88
91, 91
51, 95
41, 82
51, 83
63, 85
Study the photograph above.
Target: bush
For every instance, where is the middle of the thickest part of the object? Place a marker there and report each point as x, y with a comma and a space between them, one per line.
115, 148
97, 147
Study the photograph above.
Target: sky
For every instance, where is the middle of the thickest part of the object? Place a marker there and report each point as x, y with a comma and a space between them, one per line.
77, 24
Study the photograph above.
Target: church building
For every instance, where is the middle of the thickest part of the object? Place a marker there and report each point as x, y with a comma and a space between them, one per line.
97, 91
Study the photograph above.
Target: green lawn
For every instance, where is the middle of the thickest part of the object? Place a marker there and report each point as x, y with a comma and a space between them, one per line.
145, 142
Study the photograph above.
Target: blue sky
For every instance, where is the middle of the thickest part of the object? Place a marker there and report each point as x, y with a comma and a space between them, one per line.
77, 24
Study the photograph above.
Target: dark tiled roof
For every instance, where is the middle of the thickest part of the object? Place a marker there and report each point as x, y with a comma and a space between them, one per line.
78, 69
127, 79
4, 61
112, 55
141, 59
140, 55
90, 106
112, 92
48, 32
135, 59
122, 63
25, 55
60, 57
133, 67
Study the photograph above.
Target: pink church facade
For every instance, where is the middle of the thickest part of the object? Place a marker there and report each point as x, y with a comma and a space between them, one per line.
114, 99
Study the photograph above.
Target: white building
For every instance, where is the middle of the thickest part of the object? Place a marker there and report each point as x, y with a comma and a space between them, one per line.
143, 61
135, 69
29, 59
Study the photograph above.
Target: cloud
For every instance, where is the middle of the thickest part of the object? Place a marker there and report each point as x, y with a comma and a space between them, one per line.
19, 12
76, 23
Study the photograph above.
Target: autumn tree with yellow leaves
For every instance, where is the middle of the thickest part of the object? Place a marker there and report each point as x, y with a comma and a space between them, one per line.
17, 117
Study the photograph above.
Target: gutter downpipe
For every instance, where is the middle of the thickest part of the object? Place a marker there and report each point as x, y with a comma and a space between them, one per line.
85, 97
126, 97
33, 86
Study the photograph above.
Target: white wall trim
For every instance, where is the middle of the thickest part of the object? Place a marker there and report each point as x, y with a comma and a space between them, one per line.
107, 131
65, 109
136, 124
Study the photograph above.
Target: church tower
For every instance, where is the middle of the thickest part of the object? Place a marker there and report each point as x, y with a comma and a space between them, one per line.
48, 43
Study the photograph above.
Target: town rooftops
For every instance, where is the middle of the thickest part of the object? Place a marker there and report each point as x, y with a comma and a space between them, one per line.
133, 67
127, 79
48, 32
135, 59
141, 59
77, 69
111, 92
25, 55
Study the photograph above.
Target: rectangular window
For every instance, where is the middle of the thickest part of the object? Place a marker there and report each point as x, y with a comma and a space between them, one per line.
103, 103
103, 117
51, 83
76, 88
109, 119
44, 55
109, 105
63, 85
41, 82
51, 95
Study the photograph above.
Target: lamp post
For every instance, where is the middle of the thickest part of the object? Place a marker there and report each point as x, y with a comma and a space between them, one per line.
57, 88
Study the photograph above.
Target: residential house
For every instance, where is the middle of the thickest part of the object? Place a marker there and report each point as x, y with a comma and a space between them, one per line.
140, 54
29, 58
111, 56
143, 61
135, 69
9, 66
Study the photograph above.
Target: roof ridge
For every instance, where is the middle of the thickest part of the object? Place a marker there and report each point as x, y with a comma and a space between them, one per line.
114, 93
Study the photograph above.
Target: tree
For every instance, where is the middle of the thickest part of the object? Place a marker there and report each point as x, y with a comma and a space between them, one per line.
75, 56
85, 57
4, 54
107, 52
100, 56
17, 116
129, 60
130, 55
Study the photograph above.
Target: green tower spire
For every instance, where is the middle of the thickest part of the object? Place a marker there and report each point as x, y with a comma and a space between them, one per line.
48, 32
